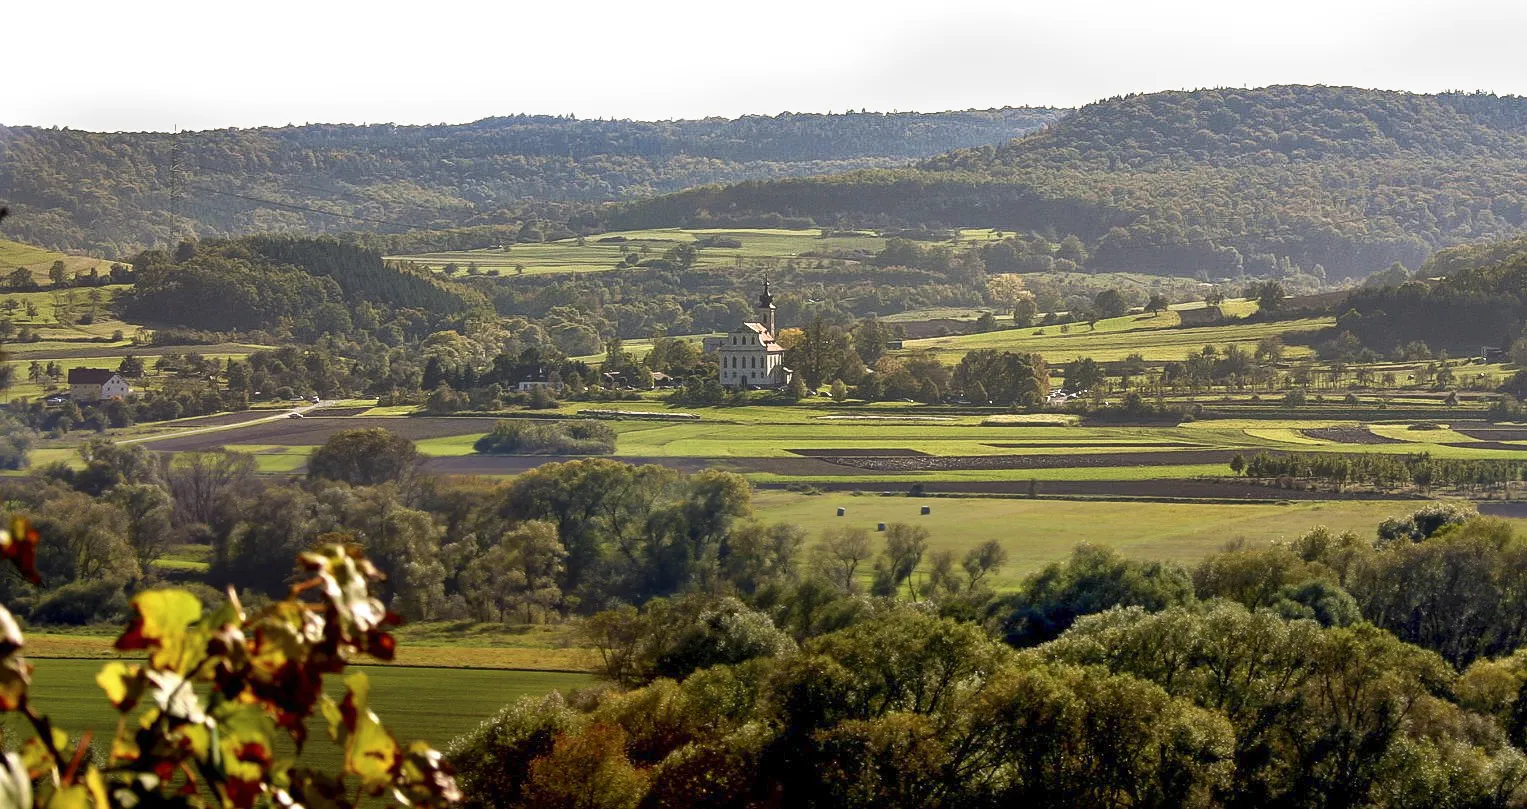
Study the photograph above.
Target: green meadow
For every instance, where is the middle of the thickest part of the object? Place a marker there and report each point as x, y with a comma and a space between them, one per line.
38, 260
415, 703
1037, 532
605, 251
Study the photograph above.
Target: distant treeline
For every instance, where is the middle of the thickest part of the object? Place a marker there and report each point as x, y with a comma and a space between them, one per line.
1481, 300
271, 283
1382, 471
114, 193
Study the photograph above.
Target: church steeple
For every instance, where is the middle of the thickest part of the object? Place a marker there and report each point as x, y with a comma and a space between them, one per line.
766, 306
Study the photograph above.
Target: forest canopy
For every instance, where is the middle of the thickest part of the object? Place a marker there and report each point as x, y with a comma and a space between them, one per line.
115, 193
1211, 181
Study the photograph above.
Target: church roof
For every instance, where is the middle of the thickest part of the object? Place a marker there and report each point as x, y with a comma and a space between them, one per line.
758, 327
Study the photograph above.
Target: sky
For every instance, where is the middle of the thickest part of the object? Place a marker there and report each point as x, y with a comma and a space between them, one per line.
166, 64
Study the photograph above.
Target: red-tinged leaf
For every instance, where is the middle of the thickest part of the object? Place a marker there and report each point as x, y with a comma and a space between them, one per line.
162, 623
345, 575
370, 751
314, 790
372, 754
36, 757
381, 645
19, 545
426, 778
357, 700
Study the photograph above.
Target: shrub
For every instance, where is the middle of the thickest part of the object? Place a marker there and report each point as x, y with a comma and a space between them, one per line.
81, 602
364, 457
494, 758
525, 437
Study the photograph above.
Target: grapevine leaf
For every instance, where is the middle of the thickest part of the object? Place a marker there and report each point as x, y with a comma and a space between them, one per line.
344, 575
15, 672
426, 778
244, 750
88, 794
123, 683
36, 758
370, 751
161, 623
334, 717
175, 697
313, 790
15, 783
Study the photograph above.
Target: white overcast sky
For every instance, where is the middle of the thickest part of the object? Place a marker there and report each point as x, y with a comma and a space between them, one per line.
159, 64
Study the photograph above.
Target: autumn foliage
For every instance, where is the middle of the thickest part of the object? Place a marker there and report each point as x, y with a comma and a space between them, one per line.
203, 712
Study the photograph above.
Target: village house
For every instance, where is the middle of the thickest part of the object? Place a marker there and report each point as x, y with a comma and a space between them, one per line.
750, 358
96, 384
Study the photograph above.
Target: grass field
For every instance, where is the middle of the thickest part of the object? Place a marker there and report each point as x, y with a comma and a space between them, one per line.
1036, 532
38, 260
605, 251
1157, 338
443, 644
414, 703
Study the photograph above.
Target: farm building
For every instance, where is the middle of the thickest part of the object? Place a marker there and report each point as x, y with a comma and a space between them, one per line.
528, 385
1202, 316
750, 358
95, 384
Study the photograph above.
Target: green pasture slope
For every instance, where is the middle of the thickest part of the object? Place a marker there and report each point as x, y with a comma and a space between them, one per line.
1156, 337
38, 260
604, 251
415, 703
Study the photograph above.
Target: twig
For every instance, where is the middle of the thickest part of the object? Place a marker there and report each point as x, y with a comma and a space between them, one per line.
79, 755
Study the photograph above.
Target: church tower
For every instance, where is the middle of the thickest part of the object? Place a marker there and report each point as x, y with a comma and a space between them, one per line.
748, 356
766, 307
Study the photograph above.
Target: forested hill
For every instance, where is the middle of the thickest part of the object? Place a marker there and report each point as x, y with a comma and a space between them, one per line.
1210, 181
110, 193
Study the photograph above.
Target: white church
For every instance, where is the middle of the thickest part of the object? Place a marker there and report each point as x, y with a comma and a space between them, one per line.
749, 356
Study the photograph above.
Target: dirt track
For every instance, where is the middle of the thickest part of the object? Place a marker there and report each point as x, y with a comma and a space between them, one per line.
1087, 444
515, 464
92, 350
1492, 433
1182, 489
858, 453
1487, 445
1099, 459
219, 420
1154, 489
314, 431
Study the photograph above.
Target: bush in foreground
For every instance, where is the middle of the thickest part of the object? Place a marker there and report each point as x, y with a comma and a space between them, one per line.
524, 437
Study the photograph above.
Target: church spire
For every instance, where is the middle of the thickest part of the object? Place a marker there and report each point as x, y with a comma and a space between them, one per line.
766, 305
